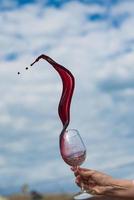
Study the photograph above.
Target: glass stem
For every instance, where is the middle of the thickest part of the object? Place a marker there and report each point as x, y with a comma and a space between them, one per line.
82, 185
82, 188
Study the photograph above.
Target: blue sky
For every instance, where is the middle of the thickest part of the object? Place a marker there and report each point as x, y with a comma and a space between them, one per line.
96, 42
58, 3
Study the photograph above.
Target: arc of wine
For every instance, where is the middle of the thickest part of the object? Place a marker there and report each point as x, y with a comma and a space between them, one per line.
68, 82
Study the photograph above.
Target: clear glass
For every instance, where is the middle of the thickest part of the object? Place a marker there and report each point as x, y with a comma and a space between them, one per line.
73, 152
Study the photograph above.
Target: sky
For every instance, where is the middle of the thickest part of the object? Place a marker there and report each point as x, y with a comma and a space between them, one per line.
95, 41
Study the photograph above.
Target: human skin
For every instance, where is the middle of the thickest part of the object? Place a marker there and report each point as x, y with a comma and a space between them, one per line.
98, 183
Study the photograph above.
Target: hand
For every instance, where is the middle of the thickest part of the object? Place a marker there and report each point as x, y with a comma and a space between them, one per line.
96, 182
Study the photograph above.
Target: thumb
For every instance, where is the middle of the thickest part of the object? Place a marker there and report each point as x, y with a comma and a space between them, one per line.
85, 174
101, 190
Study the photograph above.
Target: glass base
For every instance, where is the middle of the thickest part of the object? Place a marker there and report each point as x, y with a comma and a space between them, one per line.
83, 195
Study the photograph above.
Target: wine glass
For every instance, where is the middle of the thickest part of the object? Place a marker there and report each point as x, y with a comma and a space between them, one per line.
73, 152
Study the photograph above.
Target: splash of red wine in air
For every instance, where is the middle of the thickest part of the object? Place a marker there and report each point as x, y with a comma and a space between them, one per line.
67, 91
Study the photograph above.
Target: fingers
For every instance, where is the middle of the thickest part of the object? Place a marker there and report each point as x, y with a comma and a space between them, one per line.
78, 181
82, 172
74, 168
93, 181
79, 168
92, 188
84, 183
84, 177
83, 169
85, 173
100, 190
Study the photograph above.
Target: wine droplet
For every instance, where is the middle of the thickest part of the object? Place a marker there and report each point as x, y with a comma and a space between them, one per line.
25, 69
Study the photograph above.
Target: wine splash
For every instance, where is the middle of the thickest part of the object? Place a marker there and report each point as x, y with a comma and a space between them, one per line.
68, 82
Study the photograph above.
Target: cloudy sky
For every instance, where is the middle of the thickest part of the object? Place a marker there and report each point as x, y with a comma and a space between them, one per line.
94, 39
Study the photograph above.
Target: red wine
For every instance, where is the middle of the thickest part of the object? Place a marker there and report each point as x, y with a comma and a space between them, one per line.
68, 82
75, 159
